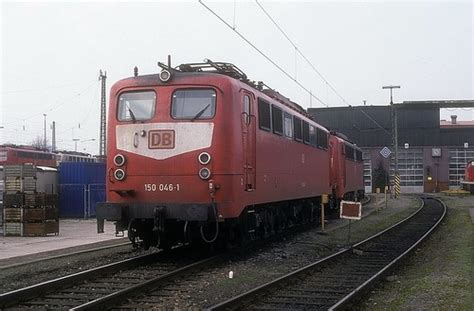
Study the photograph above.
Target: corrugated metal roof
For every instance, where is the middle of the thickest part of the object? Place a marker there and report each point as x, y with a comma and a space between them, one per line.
371, 126
439, 103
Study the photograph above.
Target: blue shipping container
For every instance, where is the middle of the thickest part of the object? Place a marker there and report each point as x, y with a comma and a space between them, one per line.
96, 194
72, 203
81, 187
81, 173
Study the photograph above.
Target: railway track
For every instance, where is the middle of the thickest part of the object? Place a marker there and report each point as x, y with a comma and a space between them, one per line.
96, 288
337, 280
105, 287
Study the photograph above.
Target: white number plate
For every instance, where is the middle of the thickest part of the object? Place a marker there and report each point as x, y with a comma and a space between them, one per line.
161, 187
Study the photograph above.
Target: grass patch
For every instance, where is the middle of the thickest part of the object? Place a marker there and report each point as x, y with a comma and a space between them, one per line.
438, 276
376, 222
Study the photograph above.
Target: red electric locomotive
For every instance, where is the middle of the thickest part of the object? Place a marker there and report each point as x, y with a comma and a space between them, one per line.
15, 155
200, 152
346, 168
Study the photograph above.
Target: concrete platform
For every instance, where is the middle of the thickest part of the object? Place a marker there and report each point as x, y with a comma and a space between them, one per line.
72, 233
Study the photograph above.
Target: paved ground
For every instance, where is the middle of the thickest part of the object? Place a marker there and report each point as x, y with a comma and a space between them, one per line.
72, 232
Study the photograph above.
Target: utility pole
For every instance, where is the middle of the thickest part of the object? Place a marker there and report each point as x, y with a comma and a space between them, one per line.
53, 137
44, 134
75, 143
102, 139
394, 136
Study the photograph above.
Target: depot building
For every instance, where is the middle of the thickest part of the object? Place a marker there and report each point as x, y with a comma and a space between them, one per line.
432, 153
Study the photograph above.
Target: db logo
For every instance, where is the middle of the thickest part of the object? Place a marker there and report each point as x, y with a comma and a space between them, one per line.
161, 139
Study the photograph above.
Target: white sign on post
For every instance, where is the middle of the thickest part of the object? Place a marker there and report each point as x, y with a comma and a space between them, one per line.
351, 210
385, 152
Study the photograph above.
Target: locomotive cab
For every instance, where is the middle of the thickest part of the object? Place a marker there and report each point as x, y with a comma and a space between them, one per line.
171, 154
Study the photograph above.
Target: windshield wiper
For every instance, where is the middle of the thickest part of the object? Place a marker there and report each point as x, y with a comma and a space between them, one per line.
132, 115
200, 113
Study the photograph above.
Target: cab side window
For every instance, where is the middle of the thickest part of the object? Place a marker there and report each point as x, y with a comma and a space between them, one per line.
305, 132
264, 115
277, 118
297, 129
288, 125
322, 139
246, 109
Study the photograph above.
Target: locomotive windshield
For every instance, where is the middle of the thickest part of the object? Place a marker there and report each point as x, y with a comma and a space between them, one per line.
194, 104
135, 106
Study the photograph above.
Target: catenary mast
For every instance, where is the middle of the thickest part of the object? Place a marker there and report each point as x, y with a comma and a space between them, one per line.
102, 140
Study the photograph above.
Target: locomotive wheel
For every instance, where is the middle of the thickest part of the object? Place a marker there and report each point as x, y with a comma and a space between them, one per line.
164, 243
146, 244
132, 234
150, 238
232, 236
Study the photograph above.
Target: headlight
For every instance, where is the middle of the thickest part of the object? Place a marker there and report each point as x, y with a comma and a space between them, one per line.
119, 174
204, 158
165, 75
204, 173
119, 160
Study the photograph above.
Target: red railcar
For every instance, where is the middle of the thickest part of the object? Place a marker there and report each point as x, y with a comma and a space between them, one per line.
14, 155
469, 173
468, 182
200, 152
347, 168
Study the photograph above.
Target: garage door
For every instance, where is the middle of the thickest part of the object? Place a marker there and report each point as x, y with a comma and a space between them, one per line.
410, 167
458, 157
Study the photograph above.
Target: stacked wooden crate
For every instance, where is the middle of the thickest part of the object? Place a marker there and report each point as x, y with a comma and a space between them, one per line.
13, 213
1, 205
27, 212
40, 214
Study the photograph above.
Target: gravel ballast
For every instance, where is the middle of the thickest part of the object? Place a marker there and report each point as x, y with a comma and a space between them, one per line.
257, 267
212, 286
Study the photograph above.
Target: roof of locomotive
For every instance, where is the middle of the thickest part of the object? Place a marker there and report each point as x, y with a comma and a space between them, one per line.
21, 148
218, 71
345, 139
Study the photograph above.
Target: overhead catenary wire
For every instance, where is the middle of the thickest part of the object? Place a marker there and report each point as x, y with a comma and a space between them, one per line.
301, 53
41, 89
286, 73
263, 54
32, 127
85, 118
56, 106
297, 50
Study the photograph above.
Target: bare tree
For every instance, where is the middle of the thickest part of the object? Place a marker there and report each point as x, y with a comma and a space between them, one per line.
39, 143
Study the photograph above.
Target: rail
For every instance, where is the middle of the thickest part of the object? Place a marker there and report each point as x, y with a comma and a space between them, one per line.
97, 287
335, 281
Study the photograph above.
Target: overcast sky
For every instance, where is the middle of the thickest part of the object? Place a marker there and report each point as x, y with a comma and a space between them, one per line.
51, 54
